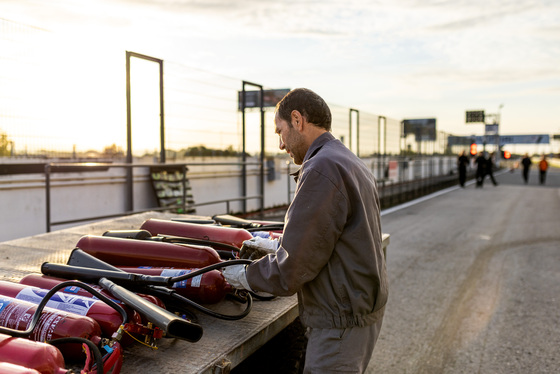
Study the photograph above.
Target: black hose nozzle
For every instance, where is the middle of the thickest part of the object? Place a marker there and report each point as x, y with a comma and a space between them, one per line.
172, 325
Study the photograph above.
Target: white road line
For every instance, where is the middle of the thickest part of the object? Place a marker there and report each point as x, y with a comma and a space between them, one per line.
431, 196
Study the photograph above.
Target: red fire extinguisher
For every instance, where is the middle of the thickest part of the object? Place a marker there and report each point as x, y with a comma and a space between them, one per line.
108, 318
208, 288
46, 282
125, 252
41, 357
52, 324
220, 234
6, 368
107, 358
23, 356
136, 320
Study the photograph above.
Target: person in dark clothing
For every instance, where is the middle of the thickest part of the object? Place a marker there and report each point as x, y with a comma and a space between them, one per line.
462, 163
330, 253
526, 162
480, 169
490, 168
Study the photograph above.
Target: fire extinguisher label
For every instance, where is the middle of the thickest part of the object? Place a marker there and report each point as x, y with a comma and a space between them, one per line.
72, 289
3, 304
76, 289
18, 316
191, 282
47, 324
60, 301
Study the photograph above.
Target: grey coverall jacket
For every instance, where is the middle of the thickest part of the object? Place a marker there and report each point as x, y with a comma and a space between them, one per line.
330, 252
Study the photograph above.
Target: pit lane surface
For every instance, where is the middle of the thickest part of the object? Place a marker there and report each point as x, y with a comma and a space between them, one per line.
475, 281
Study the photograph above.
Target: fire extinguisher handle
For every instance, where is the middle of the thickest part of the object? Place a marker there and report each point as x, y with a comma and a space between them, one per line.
89, 274
209, 268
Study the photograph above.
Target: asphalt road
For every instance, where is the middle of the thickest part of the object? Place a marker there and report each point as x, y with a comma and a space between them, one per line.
475, 281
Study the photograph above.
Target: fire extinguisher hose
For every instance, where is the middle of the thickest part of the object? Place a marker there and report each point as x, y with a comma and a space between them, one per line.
172, 296
150, 284
43, 303
168, 322
225, 251
210, 312
93, 348
237, 222
218, 266
270, 227
209, 268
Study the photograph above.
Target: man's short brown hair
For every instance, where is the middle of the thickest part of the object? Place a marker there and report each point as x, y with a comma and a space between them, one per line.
309, 104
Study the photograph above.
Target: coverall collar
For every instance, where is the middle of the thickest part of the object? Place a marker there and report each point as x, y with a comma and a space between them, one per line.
313, 149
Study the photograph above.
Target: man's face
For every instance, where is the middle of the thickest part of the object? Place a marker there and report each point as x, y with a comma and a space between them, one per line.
290, 140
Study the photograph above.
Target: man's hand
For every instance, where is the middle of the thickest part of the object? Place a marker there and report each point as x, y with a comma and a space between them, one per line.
236, 276
258, 247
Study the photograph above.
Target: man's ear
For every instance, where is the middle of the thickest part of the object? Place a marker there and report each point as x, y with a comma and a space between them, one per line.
297, 120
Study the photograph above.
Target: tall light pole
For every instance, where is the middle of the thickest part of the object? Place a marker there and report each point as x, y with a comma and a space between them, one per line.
498, 153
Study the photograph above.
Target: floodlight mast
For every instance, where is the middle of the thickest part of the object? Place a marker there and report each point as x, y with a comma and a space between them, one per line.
478, 116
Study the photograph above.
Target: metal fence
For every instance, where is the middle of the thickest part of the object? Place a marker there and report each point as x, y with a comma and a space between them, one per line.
61, 105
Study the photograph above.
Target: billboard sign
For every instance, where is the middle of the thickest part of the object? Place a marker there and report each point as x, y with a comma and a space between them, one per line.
474, 116
504, 139
253, 98
525, 139
460, 140
491, 129
423, 129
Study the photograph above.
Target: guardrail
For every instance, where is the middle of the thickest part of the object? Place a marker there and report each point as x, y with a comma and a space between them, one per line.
402, 180
50, 168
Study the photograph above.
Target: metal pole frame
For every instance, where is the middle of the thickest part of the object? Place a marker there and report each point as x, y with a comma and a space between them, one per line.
379, 168
384, 143
244, 157
129, 180
48, 195
357, 130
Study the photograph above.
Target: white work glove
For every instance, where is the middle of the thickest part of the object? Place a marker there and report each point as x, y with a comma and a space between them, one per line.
258, 247
236, 276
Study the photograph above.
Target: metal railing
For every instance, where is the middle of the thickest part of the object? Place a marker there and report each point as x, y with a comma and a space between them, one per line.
76, 167
390, 192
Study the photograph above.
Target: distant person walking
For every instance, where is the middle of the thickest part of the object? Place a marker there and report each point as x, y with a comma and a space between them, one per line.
462, 163
490, 168
480, 169
543, 167
526, 162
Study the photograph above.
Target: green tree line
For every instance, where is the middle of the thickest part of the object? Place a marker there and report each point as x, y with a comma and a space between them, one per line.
4, 144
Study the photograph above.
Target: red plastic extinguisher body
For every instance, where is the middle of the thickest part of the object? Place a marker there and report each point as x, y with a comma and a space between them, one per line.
53, 324
275, 235
127, 252
6, 368
113, 362
208, 288
220, 234
41, 357
108, 318
43, 281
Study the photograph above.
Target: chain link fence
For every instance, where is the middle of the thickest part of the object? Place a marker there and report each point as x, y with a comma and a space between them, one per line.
55, 104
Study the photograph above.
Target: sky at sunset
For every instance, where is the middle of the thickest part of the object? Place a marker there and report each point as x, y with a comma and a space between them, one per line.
398, 58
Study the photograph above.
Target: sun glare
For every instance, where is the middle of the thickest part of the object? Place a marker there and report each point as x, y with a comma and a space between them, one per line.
68, 91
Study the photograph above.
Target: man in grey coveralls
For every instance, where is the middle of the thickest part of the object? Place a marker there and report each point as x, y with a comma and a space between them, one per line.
330, 253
